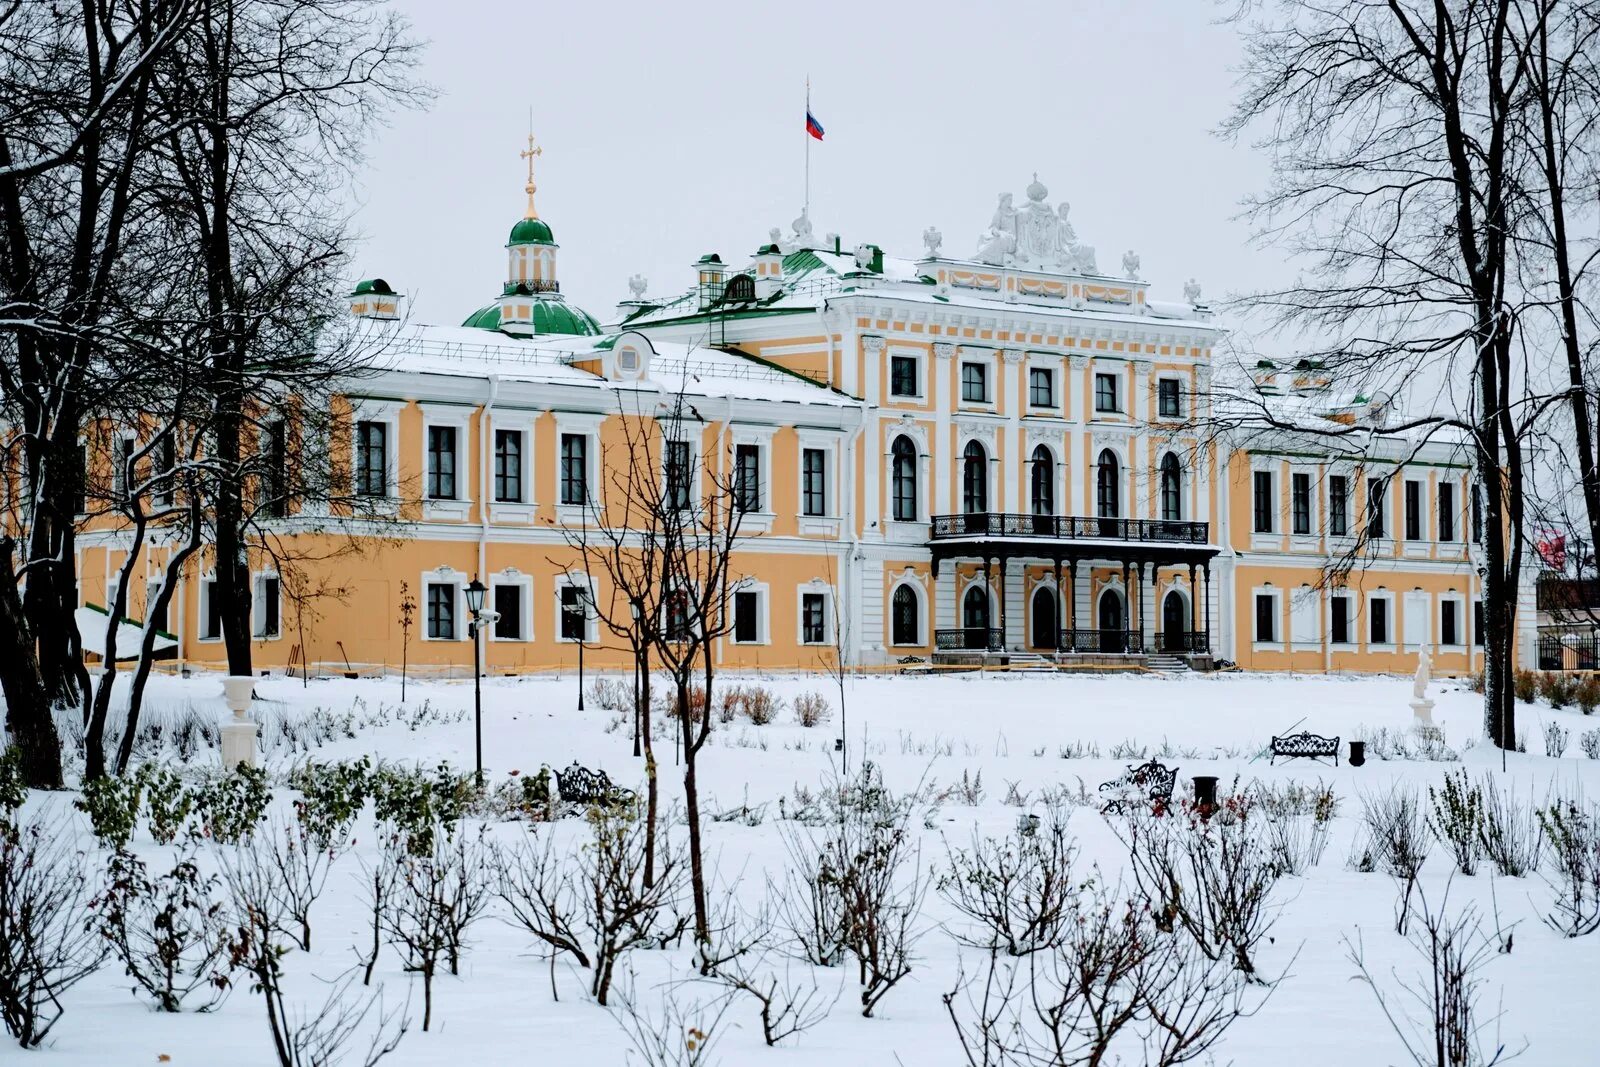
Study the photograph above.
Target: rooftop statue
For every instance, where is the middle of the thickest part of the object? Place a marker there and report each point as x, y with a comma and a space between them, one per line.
803, 237
1130, 265
1191, 291
637, 285
932, 239
1033, 236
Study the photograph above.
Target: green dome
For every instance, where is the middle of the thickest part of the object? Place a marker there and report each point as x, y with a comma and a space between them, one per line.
373, 285
531, 232
549, 316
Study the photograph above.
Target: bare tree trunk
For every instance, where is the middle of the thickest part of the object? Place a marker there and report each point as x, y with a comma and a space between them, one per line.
28, 720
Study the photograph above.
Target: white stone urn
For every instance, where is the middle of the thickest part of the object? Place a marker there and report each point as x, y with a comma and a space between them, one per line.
239, 734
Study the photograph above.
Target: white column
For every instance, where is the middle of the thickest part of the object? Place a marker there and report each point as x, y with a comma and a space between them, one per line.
941, 496
1011, 575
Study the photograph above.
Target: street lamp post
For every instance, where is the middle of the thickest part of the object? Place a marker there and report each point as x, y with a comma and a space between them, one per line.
475, 592
580, 613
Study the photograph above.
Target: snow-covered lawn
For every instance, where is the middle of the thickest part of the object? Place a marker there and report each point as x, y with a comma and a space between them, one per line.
1011, 730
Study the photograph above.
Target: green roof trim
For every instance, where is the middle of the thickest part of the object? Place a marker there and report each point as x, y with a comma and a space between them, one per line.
549, 317
485, 318
531, 232
374, 287
768, 250
709, 258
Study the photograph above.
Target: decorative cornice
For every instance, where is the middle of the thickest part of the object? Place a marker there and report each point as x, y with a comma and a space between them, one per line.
872, 343
944, 349
973, 428
1013, 355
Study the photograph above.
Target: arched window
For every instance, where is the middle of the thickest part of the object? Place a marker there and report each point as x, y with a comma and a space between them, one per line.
1107, 478
905, 622
1171, 488
903, 476
975, 618
1043, 618
974, 479
1043, 482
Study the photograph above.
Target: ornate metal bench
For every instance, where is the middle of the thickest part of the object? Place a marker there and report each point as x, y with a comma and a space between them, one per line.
1151, 782
579, 785
1305, 746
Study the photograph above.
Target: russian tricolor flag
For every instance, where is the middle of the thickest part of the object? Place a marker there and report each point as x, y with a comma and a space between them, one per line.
813, 127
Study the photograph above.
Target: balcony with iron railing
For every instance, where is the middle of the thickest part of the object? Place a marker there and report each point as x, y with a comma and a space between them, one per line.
1085, 641
997, 524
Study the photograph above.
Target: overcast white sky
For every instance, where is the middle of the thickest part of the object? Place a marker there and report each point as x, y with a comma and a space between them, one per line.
671, 130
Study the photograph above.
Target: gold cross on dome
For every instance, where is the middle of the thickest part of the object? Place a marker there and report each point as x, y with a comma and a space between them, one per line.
532, 150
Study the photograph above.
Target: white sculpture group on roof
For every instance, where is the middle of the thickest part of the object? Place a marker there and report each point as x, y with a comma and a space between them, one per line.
1034, 236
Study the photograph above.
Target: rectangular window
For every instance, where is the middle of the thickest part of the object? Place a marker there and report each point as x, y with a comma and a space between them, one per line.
166, 454
1300, 490
267, 606
1266, 618
441, 611
574, 613
508, 466
274, 468
747, 477
1447, 511
121, 457
1477, 624
813, 482
1477, 516
508, 612
1041, 387
372, 459
1413, 511
813, 618
678, 474
1375, 493
574, 468
152, 617
1339, 628
80, 502
210, 611
974, 383
1169, 402
1263, 501
1338, 505
1378, 621
1449, 626
903, 376
1105, 392
441, 462
746, 617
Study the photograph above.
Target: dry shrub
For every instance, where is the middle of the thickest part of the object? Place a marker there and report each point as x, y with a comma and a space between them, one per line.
611, 694
1526, 685
1587, 695
812, 709
754, 702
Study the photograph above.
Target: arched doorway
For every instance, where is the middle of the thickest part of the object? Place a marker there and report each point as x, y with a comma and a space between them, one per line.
1174, 622
905, 617
975, 617
1043, 624
1113, 630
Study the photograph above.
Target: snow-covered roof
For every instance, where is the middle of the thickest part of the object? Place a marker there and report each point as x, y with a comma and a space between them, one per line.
414, 348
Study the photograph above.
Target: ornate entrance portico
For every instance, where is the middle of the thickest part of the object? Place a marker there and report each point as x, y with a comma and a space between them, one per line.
1119, 619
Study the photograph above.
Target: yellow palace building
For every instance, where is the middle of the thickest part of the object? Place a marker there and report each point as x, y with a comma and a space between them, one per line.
997, 457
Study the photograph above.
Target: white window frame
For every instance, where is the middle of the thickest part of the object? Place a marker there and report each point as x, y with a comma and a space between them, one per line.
591, 618
461, 616
1352, 619
208, 583
1307, 540
1119, 391
683, 433
1167, 376
1267, 538
1393, 643
523, 511
459, 419
1463, 619
1279, 642
1422, 601
827, 523
756, 521
816, 587
1325, 502
258, 583
991, 379
920, 357
1305, 606
512, 577
1057, 385
124, 446
386, 412
922, 613
763, 595
587, 425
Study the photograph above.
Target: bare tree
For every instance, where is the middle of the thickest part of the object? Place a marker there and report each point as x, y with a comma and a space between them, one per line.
1393, 130
1016, 893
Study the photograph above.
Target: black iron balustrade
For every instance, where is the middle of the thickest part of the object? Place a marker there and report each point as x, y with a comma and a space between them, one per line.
969, 639
1113, 642
1192, 642
1069, 527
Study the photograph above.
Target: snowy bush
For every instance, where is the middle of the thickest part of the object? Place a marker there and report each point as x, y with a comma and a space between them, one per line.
112, 805
1016, 893
435, 897
13, 790
231, 805
46, 944
170, 932
1589, 741
1456, 819
812, 709
611, 694
1555, 739
1572, 862
1397, 840
1511, 835
331, 796
167, 800
413, 804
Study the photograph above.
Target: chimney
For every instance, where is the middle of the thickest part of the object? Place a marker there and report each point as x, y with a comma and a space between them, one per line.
712, 275
373, 298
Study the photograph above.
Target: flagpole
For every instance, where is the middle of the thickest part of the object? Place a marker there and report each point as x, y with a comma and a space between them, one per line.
807, 211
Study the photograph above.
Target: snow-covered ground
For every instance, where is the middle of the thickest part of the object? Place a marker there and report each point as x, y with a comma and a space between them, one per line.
1009, 729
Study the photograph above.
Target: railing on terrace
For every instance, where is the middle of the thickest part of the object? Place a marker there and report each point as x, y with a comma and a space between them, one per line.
1568, 650
969, 639
1111, 642
1069, 528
